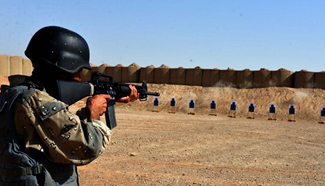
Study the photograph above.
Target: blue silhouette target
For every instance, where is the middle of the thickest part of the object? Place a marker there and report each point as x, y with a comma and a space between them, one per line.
191, 104
272, 108
213, 105
292, 109
251, 107
156, 102
233, 105
322, 112
173, 102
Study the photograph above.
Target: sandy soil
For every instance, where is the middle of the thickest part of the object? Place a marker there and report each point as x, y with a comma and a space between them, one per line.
308, 102
150, 148
160, 148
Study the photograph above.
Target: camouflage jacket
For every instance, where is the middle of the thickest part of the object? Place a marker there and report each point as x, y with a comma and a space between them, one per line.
46, 125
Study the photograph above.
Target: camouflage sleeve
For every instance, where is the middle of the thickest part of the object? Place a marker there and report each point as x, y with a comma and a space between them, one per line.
84, 115
62, 136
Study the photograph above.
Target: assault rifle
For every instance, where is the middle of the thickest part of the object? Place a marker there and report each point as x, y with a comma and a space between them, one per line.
116, 90
99, 86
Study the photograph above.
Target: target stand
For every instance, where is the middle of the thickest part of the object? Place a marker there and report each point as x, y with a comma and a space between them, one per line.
272, 116
292, 113
155, 107
272, 112
322, 116
172, 106
172, 110
191, 107
213, 110
251, 111
232, 110
292, 118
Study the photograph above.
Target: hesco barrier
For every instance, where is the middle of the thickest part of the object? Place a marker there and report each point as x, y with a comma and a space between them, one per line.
244, 79
15, 65
193, 76
261, 78
161, 75
282, 78
304, 79
131, 73
319, 80
115, 72
210, 77
147, 74
227, 78
178, 76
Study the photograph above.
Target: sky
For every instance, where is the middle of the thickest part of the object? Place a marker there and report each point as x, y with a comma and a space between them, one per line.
239, 34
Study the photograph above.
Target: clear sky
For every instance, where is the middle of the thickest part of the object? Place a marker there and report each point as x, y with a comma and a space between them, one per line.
238, 34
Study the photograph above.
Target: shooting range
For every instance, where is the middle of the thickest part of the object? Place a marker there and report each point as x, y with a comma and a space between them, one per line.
233, 109
292, 113
213, 108
155, 104
272, 112
251, 111
191, 107
147, 127
207, 60
172, 105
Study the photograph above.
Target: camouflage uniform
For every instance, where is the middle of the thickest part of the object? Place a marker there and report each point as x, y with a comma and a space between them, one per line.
45, 124
41, 141
45, 127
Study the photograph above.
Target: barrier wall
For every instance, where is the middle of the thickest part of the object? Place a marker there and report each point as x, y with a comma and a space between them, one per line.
178, 76
304, 79
193, 77
282, 78
244, 79
210, 77
161, 75
147, 74
319, 80
13, 65
261, 78
227, 78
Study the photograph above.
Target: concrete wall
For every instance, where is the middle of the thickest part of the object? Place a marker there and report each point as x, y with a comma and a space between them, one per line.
13, 65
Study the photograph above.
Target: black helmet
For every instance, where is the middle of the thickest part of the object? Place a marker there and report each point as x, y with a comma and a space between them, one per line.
60, 47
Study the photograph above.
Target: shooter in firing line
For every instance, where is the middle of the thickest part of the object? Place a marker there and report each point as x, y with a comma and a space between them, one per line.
41, 141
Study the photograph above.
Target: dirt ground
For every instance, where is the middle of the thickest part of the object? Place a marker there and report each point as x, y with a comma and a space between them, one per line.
150, 148
161, 148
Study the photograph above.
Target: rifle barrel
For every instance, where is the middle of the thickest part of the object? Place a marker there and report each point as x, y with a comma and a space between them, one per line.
153, 94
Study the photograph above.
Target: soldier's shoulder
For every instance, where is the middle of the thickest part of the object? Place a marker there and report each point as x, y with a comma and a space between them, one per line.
28, 93
33, 96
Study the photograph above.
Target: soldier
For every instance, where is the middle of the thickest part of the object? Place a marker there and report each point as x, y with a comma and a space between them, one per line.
41, 141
